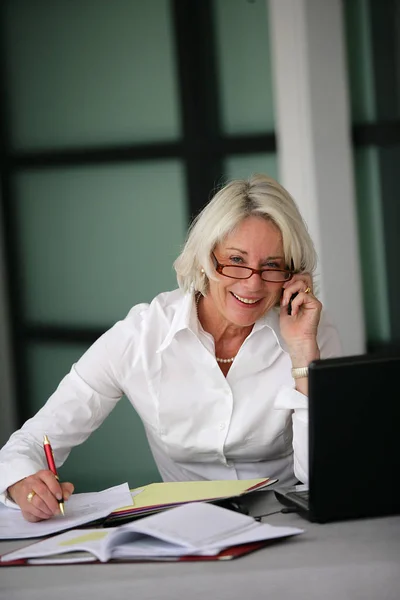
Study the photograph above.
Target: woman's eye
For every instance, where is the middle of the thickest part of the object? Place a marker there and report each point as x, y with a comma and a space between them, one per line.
272, 265
236, 259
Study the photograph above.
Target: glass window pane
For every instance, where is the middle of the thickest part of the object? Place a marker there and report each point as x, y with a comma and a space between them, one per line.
95, 241
90, 72
360, 61
243, 59
117, 452
242, 166
372, 244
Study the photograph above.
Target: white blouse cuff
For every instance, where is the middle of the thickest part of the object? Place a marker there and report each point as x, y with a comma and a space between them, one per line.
24, 468
290, 399
6, 500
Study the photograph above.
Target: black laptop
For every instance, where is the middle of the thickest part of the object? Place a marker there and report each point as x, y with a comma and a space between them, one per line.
354, 440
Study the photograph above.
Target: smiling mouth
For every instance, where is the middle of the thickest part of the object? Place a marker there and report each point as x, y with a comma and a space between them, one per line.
250, 301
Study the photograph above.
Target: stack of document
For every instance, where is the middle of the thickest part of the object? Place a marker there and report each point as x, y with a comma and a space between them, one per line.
105, 506
155, 497
193, 531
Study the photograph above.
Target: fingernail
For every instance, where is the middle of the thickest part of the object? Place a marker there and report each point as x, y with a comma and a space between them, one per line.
59, 496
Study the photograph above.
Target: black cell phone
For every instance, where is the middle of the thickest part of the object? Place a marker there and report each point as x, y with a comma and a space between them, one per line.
289, 308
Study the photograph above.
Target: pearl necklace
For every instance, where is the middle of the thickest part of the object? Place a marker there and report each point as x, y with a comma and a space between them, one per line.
220, 360
225, 360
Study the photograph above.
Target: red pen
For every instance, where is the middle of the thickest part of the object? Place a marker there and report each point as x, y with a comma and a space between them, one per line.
52, 466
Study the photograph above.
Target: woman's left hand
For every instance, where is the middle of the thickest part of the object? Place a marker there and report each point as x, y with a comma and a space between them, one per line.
299, 330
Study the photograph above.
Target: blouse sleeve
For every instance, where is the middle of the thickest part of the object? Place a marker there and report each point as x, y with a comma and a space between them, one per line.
79, 405
289, 398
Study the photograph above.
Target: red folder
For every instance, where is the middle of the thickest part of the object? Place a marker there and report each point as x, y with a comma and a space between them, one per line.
226, 554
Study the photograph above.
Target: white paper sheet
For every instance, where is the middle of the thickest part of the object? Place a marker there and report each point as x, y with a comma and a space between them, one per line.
79, 509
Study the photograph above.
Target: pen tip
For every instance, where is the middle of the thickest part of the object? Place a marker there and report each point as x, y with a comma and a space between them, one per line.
45, 439
62, 509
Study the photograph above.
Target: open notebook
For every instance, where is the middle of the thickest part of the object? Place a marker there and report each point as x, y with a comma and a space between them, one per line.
193, 530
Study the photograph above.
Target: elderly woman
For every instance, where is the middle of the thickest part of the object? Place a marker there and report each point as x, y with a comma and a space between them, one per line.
216, 370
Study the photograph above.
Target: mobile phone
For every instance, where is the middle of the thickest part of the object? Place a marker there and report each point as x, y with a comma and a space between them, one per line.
289, 308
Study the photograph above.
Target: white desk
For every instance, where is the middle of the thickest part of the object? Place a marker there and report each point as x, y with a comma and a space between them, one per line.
353, 560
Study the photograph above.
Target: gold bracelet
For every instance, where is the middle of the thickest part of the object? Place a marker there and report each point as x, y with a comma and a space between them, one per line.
300, 372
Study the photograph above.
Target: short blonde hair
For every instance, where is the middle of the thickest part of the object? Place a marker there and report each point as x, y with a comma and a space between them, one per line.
259, 196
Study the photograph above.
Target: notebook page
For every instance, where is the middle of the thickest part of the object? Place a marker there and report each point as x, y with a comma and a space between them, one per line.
192, 525
258, 533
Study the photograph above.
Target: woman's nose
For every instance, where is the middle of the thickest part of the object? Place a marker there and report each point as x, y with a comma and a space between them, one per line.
254, 282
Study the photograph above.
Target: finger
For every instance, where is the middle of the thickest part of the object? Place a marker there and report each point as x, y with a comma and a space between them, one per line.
296, 287
35, 508
304, 277
67, 489
40, 503
50, 490
53, 493
34, 515
43, 483
51, 482
31, 518
298, 283
304, 300
33, 503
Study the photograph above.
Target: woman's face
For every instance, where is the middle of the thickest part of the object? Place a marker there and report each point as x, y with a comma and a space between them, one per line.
255, 243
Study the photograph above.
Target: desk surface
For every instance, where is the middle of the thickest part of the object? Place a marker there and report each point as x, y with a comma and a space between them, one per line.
353, 560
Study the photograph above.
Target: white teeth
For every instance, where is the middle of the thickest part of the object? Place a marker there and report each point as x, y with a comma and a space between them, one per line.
245, 300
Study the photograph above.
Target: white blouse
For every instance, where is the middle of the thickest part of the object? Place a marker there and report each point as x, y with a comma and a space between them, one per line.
199, 423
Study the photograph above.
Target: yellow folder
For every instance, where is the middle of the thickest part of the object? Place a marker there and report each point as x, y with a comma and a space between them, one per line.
158, 496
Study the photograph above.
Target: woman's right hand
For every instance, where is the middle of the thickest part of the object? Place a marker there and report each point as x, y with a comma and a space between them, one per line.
47, 490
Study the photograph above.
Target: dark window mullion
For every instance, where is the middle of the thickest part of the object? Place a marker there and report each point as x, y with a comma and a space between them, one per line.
386, 64
380, 133
234, 144
194, 39
88, 155
63, 334
10, 246
384, 23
